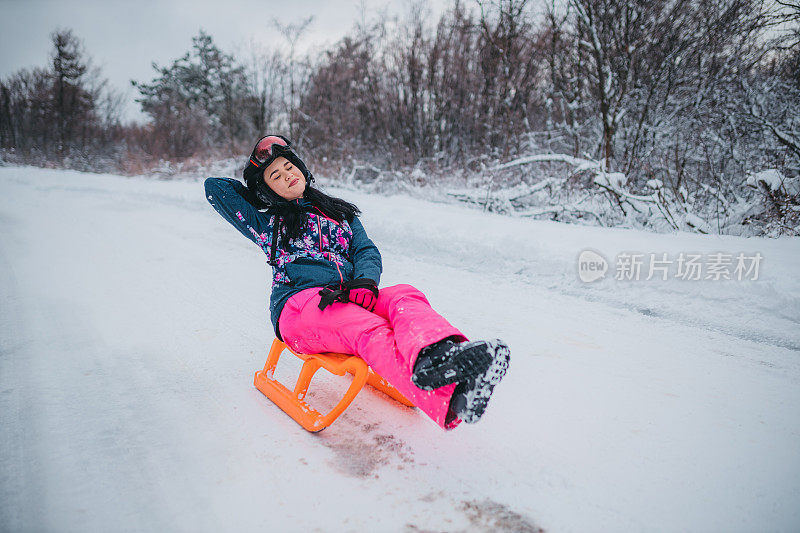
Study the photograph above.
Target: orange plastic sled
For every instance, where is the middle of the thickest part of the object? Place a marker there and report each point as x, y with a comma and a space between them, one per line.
293, 403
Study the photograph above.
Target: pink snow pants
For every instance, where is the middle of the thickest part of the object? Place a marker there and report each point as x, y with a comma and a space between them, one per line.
388, 338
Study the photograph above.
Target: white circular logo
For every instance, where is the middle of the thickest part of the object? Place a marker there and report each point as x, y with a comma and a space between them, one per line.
591, 266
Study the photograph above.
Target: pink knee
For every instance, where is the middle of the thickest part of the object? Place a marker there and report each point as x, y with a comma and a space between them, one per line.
402, 290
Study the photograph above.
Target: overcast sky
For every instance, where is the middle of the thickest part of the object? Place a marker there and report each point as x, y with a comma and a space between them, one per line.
125, 36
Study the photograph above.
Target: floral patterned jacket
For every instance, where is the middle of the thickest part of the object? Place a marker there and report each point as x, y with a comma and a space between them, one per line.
327, 253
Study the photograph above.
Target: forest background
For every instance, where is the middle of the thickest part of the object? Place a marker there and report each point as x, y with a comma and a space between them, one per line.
657, 114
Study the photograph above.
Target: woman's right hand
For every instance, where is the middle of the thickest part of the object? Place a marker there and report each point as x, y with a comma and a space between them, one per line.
363, 297
365, 293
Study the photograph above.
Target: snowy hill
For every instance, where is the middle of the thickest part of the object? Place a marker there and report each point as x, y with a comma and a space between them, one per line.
132, 319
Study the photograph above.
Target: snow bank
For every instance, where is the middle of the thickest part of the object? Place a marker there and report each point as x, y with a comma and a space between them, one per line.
133, 318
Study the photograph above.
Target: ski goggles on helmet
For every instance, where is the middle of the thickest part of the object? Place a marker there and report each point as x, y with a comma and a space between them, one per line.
268, 148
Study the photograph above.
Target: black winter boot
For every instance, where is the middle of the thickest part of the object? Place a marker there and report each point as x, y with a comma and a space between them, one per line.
447, 362
471, 396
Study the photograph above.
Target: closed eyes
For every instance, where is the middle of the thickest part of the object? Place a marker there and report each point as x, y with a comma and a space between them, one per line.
288, 168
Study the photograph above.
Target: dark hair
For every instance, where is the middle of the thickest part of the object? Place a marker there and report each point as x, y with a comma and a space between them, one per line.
295, 217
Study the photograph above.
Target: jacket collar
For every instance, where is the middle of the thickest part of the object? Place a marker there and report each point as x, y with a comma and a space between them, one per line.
279, 200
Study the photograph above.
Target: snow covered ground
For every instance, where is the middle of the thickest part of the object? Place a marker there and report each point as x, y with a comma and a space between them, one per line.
132, 319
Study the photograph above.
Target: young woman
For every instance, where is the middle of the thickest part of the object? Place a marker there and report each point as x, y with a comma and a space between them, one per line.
325, 295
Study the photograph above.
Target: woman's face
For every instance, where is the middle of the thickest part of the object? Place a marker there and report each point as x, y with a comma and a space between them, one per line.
285, 179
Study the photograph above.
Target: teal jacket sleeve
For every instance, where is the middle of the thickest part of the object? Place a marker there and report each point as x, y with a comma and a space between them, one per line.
364, 254
230, 198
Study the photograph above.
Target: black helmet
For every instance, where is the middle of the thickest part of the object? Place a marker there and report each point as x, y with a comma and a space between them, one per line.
267, 150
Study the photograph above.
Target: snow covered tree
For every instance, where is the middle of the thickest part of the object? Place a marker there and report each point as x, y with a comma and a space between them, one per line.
72, 102
200, 100
66, 113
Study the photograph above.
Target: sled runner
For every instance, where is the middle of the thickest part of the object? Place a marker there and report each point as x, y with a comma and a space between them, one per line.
293, 403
